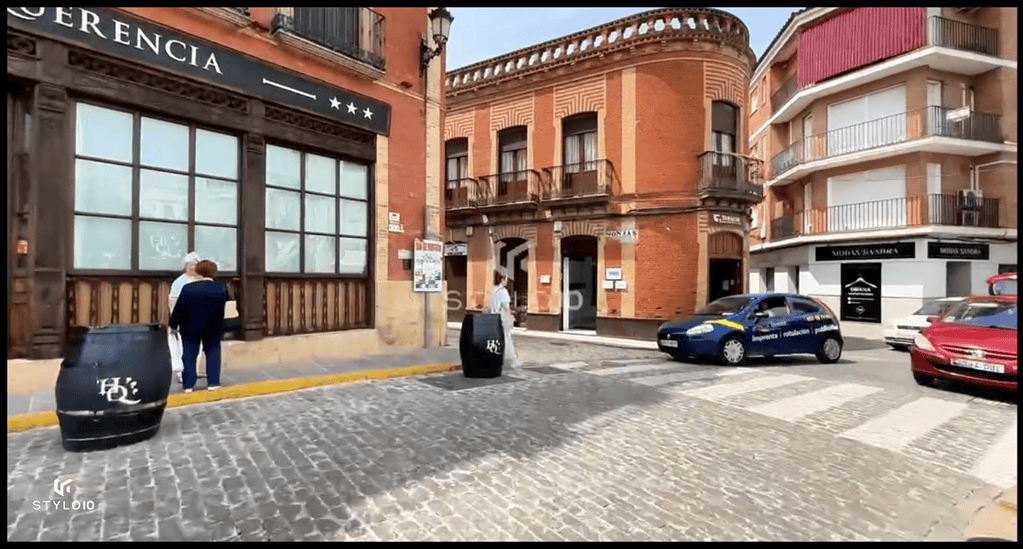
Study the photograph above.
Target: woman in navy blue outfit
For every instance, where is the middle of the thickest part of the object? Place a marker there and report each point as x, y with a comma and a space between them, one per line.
199, 315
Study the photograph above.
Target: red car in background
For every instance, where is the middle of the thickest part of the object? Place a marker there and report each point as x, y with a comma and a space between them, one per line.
1002, 284
973, 343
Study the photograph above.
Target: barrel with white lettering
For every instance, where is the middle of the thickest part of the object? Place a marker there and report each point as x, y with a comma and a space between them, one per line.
481, 345
113, 385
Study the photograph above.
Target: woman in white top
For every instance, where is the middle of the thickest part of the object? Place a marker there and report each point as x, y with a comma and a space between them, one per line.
174, 341
500, 304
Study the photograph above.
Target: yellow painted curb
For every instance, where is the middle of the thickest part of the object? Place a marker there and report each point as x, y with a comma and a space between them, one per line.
24, 422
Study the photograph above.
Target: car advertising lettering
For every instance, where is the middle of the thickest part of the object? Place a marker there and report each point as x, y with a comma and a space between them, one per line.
825, 328
729, 323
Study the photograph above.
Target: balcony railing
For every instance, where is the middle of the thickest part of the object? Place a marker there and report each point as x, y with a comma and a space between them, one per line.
963, 36
595, 178
927, 122
461, 193
520, 187
934, 209
784, 93
731, 173
354, 32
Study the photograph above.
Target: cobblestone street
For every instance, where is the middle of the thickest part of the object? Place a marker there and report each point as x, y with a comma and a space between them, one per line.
595, 449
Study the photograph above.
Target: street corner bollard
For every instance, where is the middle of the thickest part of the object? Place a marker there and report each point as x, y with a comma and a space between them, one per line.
481, 345
113, 385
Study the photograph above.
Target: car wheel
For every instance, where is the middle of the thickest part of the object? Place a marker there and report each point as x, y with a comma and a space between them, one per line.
830, 351
922, 380
733, 352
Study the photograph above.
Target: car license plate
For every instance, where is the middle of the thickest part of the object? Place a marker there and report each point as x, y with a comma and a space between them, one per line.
975, 365
669, 343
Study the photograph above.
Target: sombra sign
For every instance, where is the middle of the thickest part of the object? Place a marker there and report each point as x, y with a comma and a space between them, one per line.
121, 35
861, 292
957, 250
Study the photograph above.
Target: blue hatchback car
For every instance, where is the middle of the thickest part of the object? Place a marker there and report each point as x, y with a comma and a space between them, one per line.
733, 328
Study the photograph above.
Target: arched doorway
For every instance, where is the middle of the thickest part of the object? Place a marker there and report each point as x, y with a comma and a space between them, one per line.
579, 283
724, 251
511, 258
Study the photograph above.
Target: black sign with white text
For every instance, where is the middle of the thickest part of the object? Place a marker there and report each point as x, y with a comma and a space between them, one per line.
957, 250
861, 292
893, 250
122, 35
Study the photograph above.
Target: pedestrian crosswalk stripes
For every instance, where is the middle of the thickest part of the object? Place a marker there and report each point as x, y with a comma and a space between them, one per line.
570, 365
999, 466
898, 428
799, 406
724, 390
618, 370
895, 430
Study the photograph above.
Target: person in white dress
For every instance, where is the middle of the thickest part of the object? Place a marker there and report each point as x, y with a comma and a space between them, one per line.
174, 340
500, 304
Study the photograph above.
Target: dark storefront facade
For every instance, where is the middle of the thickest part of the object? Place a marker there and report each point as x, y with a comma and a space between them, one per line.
131, 144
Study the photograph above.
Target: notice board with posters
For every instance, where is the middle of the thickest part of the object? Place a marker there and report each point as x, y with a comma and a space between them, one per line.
428, 263
861, 292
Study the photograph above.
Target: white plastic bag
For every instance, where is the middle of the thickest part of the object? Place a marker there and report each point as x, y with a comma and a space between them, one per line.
174, 342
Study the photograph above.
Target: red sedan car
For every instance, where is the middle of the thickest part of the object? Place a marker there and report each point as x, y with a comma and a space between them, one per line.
973, 343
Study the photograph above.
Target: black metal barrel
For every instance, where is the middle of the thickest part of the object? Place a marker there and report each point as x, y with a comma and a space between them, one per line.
113, 385
481, 345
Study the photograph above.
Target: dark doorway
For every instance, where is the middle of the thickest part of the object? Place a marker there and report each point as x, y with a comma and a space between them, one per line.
724, 278
957, 278
455, 270
579, 283
512, 259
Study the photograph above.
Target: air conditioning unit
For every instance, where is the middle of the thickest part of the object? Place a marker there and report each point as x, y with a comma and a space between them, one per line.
972, 202
972, 198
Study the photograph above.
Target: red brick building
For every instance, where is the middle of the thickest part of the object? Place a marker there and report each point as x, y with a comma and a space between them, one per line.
275, 141
604, 172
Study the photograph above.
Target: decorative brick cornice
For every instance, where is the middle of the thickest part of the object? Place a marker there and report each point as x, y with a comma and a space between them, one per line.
620, 36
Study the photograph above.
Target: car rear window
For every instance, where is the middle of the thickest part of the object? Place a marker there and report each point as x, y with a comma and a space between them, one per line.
1004, 287
803, 306
993, 315
935, 308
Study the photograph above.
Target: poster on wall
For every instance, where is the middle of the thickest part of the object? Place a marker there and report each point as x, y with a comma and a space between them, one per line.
427, 266
861, 292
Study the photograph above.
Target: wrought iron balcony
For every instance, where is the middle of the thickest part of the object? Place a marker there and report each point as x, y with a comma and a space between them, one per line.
963, 36
730, 174
899, 128
934, 209
593, 180
511, 189
357, 33
461, 194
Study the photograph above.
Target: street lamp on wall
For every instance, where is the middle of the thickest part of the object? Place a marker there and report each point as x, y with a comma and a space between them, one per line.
440, 25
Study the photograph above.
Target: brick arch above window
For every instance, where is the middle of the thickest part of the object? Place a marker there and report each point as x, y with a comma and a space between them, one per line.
525, 232
583, 228
725, 243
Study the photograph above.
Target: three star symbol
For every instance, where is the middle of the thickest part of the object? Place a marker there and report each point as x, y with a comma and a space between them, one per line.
335, 104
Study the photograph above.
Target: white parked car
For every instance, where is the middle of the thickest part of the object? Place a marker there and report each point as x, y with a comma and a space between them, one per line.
899, 333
